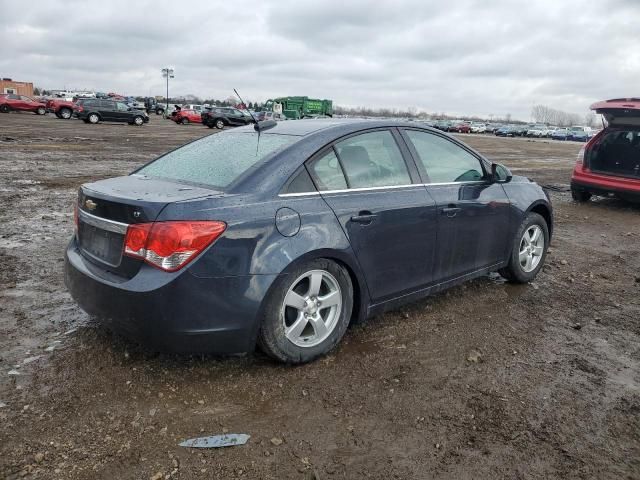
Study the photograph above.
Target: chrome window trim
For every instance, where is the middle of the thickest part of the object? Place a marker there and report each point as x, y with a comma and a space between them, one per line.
366, 189
102, 223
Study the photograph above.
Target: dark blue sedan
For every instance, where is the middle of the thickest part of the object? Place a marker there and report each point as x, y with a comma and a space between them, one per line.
283, 237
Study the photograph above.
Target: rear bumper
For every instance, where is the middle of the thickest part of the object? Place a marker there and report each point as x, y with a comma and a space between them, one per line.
597, 183
177, 312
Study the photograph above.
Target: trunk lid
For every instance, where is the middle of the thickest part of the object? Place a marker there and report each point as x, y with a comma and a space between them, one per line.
619, 111
107, 207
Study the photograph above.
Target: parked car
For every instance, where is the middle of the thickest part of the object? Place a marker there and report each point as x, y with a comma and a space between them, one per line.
461, 127
505, 131
578, 133
537, 131
610, 162
152, 105
478, 127
346, 219
10, 101
221, 117
60, 107
261, 116
100, 110
560, 134
185, 117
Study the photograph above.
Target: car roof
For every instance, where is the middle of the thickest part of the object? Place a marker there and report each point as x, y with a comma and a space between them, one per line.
336, 126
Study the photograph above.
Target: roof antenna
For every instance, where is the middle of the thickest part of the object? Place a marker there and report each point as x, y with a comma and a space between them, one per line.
256, 127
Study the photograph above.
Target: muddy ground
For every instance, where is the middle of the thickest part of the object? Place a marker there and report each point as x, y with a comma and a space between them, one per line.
487, 380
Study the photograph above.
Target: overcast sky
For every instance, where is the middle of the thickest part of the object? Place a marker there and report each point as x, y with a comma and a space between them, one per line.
460, 57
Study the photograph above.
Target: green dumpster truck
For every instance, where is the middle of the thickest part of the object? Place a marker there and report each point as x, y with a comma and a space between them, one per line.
299, 107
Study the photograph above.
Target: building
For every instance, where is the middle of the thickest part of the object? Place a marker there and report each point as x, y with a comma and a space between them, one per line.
19, 88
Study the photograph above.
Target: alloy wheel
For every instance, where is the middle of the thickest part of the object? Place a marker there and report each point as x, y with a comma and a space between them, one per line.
531, 248
311, 308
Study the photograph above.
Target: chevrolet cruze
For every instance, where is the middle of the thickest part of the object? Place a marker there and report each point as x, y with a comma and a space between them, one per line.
282, 234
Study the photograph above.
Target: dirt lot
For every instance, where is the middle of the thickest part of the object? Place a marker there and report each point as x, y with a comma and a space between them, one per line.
488, 380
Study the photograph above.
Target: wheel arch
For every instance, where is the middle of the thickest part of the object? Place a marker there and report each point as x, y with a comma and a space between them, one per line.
544, 210
345, 260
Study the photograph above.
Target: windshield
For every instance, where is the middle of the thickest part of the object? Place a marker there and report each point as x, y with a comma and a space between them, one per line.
216, 160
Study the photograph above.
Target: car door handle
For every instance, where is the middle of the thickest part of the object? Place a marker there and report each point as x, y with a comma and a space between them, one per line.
451, 211
365, 217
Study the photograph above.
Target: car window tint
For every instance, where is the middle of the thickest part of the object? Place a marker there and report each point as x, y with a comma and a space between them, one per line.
301, 183
122, 107
328, 173
373, 160
216, 160
443, 160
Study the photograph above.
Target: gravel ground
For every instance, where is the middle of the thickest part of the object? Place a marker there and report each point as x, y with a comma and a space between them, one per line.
487, 380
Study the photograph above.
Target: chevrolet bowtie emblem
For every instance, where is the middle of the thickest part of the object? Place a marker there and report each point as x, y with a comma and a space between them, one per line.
90, 205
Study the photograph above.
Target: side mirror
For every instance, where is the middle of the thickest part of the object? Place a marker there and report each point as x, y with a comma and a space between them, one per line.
500, 173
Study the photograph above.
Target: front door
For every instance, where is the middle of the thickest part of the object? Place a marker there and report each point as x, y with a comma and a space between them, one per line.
389, 220
473, 213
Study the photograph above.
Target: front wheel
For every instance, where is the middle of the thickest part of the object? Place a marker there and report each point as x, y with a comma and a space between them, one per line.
65, 113
94, 118
184, 121
4, 108
307, 312
529, 250
138, 120
219, 124
41, 111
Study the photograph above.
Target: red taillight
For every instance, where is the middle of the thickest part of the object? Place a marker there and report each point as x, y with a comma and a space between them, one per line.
170, 245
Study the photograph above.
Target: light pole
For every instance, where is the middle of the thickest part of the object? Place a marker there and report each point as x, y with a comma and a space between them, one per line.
167, 73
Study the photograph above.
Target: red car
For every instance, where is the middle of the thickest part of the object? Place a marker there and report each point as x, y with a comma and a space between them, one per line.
460, 128
186, 116
62, 108
610, 162
11, 101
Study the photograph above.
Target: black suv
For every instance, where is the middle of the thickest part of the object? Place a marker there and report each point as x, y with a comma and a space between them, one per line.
220, 117
93, 110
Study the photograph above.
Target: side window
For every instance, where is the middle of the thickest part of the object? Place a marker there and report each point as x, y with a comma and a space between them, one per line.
444, 161
122, 107
13, 97
328, 173
301, 183
373, 160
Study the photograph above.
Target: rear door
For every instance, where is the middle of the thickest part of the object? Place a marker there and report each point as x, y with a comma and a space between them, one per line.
388, 217
473, 213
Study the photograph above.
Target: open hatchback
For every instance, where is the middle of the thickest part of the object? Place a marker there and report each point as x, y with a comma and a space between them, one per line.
610, 162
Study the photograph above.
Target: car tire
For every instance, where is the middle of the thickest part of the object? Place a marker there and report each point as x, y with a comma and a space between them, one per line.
57, 114
41, 111
301, 333
93, 118
138, 120
580, 196
219, 123
4, 108
65, 113
529, 246
184, 121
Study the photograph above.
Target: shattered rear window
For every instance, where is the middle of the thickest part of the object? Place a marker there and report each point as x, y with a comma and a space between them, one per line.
216, 160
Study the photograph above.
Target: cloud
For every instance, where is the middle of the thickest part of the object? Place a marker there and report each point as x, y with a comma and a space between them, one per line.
466, 57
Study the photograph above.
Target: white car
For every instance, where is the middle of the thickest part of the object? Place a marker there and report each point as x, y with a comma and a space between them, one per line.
478, 128
538, 131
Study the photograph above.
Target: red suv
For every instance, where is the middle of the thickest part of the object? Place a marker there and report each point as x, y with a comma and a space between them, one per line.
610, 162
11, 101
61, 107
186, 116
